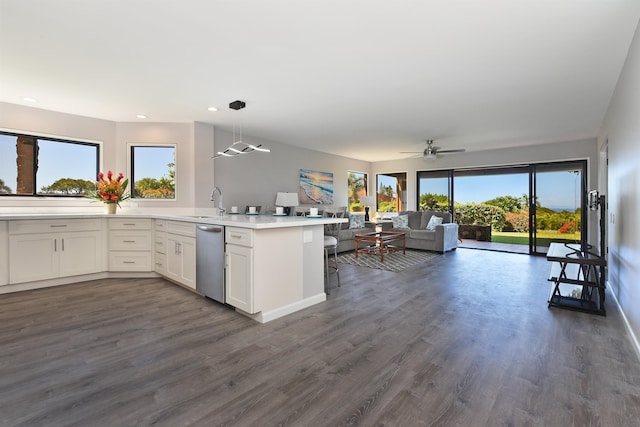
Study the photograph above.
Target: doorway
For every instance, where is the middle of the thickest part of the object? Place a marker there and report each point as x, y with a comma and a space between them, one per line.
556, 205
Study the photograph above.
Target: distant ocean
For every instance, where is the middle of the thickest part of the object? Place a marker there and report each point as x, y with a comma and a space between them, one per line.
561, 209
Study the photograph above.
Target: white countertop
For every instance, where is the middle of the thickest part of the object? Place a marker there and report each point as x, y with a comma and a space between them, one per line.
240, 220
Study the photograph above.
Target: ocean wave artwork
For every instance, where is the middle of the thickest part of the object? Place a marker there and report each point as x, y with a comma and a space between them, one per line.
316, 187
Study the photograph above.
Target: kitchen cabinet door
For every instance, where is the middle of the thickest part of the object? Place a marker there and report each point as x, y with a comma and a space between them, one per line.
181, 259
4, 253
33, 257
239, 277
80, 253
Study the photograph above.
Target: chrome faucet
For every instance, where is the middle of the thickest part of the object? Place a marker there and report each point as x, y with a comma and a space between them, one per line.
221, 209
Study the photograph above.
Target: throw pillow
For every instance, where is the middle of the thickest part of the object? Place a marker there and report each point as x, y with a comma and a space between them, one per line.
433, 221
356, 221
401, 221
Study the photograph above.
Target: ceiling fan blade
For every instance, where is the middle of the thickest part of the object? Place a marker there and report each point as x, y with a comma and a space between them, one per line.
459, 150
411, 152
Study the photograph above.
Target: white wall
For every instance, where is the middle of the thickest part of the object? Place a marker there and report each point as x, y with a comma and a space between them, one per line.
251, 179
179, 134
193, 141
254, 179
622, 131
51, 123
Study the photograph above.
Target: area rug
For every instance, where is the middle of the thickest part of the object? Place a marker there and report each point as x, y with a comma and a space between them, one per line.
395, 261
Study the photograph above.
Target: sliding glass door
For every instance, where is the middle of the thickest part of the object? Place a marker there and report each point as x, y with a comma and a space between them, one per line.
435, 191
526, 206
556, 204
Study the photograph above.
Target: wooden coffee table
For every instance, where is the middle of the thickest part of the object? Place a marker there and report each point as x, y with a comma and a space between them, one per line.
377, 243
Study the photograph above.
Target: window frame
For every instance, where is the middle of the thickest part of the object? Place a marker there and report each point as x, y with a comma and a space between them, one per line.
53, 138
131, 169
366, 186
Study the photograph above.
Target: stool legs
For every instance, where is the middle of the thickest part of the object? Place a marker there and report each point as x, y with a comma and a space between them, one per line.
326, 267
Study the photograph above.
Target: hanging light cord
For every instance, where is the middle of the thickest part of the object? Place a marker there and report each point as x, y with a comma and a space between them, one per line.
239, 146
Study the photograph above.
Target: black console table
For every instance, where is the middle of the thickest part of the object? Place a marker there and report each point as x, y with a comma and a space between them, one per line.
584, 271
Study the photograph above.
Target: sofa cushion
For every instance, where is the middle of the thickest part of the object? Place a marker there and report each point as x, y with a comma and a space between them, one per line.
400, 221
414, 218
422, 234
426, 216
348, 234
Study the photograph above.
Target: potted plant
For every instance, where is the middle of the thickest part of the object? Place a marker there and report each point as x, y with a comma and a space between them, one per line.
110, 190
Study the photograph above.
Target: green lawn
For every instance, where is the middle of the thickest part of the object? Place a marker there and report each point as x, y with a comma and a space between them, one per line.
544, 237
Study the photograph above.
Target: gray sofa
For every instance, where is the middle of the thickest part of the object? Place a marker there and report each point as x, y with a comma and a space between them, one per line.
346, 242
444, 238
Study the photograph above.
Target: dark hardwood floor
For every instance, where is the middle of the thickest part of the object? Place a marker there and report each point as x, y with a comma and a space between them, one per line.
466, 339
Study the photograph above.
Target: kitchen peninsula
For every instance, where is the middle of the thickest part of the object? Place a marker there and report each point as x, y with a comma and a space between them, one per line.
280, 268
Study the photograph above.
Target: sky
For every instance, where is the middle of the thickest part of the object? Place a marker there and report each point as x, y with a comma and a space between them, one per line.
556, 190
60, 160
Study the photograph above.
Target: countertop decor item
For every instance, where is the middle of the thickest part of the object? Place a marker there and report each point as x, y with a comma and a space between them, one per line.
110, 190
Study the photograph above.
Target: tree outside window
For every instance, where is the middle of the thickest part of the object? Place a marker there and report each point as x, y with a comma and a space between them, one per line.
153, 171
357, 187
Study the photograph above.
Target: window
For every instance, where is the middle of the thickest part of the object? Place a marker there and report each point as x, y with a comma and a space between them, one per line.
34, 165
357, 187
153, 171
391, 193
434, 190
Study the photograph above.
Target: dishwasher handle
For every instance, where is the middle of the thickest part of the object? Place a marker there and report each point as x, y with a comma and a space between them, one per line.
211, 228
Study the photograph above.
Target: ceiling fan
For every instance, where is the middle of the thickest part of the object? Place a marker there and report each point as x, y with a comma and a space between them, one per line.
432, 152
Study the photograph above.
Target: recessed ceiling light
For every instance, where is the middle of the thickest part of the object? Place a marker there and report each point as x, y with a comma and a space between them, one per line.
212, 109
28, 99
141, 116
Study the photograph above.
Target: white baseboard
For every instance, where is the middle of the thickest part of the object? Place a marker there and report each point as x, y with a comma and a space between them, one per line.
267, 316
634, 338
27, 286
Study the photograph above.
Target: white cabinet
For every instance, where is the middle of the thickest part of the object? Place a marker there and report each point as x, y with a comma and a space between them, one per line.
160, 246
239, 272
4, 253
264, 268
130, 244
47, 249
181, 253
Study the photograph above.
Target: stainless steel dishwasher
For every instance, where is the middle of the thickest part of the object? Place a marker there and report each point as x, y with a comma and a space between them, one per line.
210, 261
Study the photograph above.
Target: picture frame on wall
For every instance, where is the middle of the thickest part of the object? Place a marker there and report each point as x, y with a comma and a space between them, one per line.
315, 187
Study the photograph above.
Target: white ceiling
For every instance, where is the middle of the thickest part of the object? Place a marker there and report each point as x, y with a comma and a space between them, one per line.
361, 78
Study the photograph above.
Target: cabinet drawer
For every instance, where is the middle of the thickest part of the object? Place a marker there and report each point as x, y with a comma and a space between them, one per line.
182, 228
129, 241
130, 261
27, 226
161, 243
160, 263
239, 236
129, 224
160, 225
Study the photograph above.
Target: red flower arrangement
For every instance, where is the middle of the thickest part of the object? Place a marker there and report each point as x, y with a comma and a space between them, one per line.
110, 189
